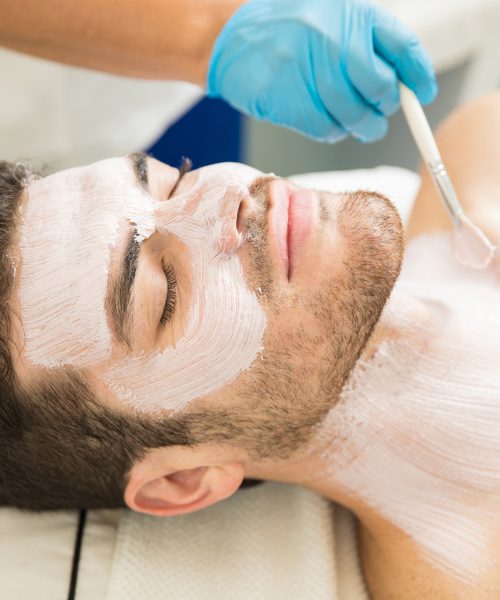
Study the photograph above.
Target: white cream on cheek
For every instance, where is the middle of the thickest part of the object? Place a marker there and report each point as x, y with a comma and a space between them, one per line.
68, 232
71, 223
418, 424
226, 323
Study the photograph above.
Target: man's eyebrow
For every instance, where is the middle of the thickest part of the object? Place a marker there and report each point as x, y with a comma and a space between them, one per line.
140, 165
119, 298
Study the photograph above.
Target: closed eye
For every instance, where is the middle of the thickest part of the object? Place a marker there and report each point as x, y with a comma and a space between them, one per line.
170, 301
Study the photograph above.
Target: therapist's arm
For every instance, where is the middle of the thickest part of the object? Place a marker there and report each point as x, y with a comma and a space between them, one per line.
158, 39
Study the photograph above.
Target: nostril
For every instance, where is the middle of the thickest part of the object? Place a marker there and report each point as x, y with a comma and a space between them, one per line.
239, 217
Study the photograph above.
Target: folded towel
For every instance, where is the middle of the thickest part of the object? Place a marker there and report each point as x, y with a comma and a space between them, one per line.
273, 541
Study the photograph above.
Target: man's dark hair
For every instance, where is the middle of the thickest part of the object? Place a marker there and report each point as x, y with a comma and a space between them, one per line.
59, 446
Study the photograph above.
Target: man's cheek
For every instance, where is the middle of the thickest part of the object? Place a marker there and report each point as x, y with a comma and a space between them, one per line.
226, 323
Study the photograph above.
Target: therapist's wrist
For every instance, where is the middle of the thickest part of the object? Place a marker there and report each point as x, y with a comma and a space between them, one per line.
205, 20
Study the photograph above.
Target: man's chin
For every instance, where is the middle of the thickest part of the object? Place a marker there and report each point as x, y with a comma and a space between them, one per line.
363, 234
372, 240
372, 228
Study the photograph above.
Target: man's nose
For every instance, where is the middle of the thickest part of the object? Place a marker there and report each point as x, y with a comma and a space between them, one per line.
230, 238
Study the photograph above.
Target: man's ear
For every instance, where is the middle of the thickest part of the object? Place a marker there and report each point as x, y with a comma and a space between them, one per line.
155, 489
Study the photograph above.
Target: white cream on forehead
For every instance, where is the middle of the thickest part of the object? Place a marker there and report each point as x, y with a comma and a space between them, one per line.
63, 296
71, 222
226, 323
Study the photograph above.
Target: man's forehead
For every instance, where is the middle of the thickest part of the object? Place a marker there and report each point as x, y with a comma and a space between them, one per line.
71, 222
111, 172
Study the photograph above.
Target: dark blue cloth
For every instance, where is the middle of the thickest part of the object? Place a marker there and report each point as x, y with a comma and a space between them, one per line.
209, 133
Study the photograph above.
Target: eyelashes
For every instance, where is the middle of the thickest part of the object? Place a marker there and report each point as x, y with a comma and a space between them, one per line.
170, 301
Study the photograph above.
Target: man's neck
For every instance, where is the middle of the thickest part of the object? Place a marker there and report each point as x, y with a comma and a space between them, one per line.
394, 455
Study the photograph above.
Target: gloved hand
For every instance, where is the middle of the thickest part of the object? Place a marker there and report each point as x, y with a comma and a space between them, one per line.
326, 68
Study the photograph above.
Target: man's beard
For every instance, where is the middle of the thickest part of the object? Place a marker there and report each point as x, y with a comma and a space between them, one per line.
290, 389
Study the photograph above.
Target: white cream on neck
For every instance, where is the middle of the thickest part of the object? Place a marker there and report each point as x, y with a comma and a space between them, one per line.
418, 423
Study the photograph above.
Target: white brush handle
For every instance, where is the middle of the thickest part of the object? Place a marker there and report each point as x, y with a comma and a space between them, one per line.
472, 246
422, 133
419, 126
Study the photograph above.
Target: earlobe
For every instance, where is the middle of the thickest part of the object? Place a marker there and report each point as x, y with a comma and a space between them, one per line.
182, 491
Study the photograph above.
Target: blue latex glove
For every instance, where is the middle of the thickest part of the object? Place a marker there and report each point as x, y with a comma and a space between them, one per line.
325, 68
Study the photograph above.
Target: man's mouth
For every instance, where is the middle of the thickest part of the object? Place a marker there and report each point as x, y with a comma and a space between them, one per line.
278, 220
291, 222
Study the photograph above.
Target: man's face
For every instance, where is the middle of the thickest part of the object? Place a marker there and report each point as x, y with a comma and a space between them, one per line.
238, 292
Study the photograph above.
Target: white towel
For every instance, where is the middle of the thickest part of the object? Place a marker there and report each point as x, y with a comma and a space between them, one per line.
273, 541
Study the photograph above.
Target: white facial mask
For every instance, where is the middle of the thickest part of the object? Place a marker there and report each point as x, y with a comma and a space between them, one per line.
226, 323
416, 433
67, 234
63, 296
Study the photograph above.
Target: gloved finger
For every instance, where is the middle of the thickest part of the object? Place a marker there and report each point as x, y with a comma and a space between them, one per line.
331, 135
399, 46
318, 125
345, 105
303, 111
372, 77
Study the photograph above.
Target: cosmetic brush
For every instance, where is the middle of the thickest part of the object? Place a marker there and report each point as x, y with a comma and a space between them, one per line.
472, 248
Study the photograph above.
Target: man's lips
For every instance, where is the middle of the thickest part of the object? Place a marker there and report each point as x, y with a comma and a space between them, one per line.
300, 225
291, 220
280, 201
